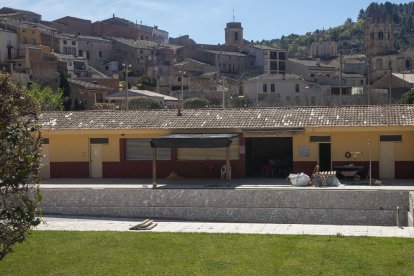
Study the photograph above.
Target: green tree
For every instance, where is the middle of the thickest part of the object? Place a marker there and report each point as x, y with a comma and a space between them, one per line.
408, 97
47, 98
19, 164
64, 86
78, 104
144, 103
196, 103
238, 102
146, 82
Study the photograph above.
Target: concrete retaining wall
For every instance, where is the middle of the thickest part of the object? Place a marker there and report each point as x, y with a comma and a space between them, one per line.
291, 206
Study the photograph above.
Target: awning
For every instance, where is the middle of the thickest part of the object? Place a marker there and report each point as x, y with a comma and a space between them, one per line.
193, 141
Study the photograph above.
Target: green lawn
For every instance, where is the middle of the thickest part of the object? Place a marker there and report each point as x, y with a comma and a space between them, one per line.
138, 253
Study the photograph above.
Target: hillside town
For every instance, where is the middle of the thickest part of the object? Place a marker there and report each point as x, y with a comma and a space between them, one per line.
299, 148
101, 59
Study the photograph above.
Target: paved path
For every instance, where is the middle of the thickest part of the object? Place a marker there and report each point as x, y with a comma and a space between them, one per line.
115, 224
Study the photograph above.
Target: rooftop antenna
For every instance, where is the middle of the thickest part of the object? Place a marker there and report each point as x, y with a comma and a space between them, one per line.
233, 16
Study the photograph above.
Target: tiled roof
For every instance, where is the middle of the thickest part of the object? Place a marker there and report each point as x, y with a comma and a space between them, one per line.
139, 44
225, 53
311, 63
248, 118
88, 85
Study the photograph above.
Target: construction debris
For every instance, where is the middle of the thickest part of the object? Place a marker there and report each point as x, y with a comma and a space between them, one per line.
145, 225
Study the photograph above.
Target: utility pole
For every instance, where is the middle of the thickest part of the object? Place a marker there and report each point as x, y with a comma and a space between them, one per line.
368, 86
340, 78
126, 69
391, 87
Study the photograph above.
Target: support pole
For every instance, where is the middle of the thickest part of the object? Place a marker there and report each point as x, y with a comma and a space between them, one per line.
228, 169
154, 167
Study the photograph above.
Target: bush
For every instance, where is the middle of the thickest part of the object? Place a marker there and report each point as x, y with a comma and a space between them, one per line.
196, 103
408, 97
144, 103
19, 164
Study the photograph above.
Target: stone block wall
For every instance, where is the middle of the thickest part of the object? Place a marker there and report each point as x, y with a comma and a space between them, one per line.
284, 206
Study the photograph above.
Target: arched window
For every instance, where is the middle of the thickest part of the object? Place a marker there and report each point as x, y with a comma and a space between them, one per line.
380, 35
407, 64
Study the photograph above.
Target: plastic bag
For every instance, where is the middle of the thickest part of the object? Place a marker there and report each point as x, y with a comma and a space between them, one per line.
299, 179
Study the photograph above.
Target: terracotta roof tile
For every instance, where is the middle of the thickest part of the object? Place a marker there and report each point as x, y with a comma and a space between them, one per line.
249, 118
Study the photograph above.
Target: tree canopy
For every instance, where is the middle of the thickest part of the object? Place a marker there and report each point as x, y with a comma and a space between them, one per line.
19, 164
48, 99
196, 103
144, 103
408, 97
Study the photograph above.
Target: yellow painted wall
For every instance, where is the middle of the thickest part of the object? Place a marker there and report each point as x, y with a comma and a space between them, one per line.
71, 146
356, 141
30, 34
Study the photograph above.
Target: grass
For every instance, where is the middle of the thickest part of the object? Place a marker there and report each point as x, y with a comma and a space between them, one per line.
138, 253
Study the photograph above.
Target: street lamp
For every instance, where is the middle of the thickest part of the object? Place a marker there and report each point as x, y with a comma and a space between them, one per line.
126, 67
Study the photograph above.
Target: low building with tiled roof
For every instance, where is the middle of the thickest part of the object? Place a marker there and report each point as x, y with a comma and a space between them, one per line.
292, 139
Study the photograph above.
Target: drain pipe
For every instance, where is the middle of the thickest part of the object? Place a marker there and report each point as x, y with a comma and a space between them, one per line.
398, 216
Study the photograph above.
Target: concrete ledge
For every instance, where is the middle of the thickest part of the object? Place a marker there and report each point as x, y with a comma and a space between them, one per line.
290, 206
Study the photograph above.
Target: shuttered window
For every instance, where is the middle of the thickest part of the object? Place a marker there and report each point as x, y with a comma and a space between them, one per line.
140, 149
209, 153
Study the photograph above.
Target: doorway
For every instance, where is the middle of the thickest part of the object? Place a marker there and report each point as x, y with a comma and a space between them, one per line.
45, 162
269, 157
387, 162
325, 162
95, 160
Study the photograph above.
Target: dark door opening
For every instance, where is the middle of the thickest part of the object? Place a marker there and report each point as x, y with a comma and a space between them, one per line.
269, 157
325, 156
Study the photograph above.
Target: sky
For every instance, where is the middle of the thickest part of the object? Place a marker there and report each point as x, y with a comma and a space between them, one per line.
205, 20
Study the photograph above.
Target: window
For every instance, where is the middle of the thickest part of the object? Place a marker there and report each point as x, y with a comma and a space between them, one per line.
73, 43
65, 42
282, 56
80, 53
407, 64
273, 55
391, 138
101, 141
273, 65
297, 90
312, 75
100, 53
24, 40
380, 35
282, 66
236, 36
320, 139
179, 79
272, 87
141, 52
87, 54
140, 149
33, 41
265, 87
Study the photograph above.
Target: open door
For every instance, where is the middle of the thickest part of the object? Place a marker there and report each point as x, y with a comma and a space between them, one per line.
325, 162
